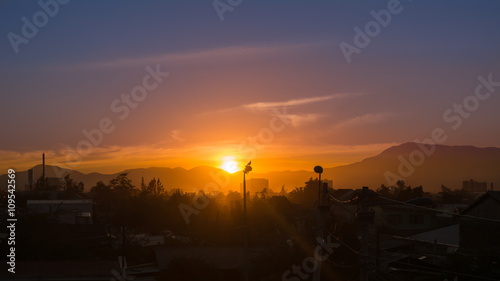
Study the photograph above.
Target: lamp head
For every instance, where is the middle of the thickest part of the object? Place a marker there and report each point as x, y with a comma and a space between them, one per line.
318, 169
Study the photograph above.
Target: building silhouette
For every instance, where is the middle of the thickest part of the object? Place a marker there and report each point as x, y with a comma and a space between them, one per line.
474, 186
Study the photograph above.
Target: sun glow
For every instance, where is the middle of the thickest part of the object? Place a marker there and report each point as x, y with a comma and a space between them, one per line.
229, 164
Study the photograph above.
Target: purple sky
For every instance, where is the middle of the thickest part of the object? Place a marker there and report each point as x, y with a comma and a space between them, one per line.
226, 77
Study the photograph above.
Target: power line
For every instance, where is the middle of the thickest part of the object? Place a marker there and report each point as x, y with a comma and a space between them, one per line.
438, 211
354, 197
434, 270
342, 242
430, 270
347, 209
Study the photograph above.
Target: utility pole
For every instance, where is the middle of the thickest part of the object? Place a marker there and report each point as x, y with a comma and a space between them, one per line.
319, 170
364, 220
323, 210
247, 169
320, 218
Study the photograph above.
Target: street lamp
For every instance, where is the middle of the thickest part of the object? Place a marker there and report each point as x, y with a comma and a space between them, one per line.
247, 169
319, 170
320, 219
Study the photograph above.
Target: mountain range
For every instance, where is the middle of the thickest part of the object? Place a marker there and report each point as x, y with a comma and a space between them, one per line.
417, 164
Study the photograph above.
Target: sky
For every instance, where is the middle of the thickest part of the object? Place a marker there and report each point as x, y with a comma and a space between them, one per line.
102, 86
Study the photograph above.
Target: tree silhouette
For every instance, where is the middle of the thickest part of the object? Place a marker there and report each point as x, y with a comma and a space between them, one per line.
160, 190
122, 185
71, 186
143, 186
283, 191
103, 196
401, 192
384, 191
307, 195
154, 188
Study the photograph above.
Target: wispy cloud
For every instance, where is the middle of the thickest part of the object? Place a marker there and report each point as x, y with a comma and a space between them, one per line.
216, 54
263, 106
294, 102
372, 118
176, 135
298, 120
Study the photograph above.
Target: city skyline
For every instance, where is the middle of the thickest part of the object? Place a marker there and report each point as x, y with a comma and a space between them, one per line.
250, 140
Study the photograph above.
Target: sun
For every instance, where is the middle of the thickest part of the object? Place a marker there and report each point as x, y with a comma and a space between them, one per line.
229, 164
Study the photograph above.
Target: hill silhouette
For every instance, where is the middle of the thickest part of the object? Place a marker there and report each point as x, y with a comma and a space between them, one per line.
448, 165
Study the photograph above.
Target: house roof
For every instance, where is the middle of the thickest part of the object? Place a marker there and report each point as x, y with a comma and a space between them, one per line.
448, 235
493, 194
343, 194
421, 201
403, 208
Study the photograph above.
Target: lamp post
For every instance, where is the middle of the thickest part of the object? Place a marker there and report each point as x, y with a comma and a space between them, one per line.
319, 170
247, 169
320, 219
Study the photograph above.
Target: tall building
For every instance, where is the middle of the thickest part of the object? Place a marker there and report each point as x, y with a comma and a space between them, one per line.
474, 186
329, 182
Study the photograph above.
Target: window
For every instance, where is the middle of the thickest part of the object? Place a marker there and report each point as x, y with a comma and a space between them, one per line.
395, 219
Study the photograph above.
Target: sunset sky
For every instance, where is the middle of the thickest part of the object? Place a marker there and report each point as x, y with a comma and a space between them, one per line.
268, 83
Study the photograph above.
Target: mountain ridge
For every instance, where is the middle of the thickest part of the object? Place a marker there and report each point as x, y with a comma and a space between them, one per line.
447, 165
